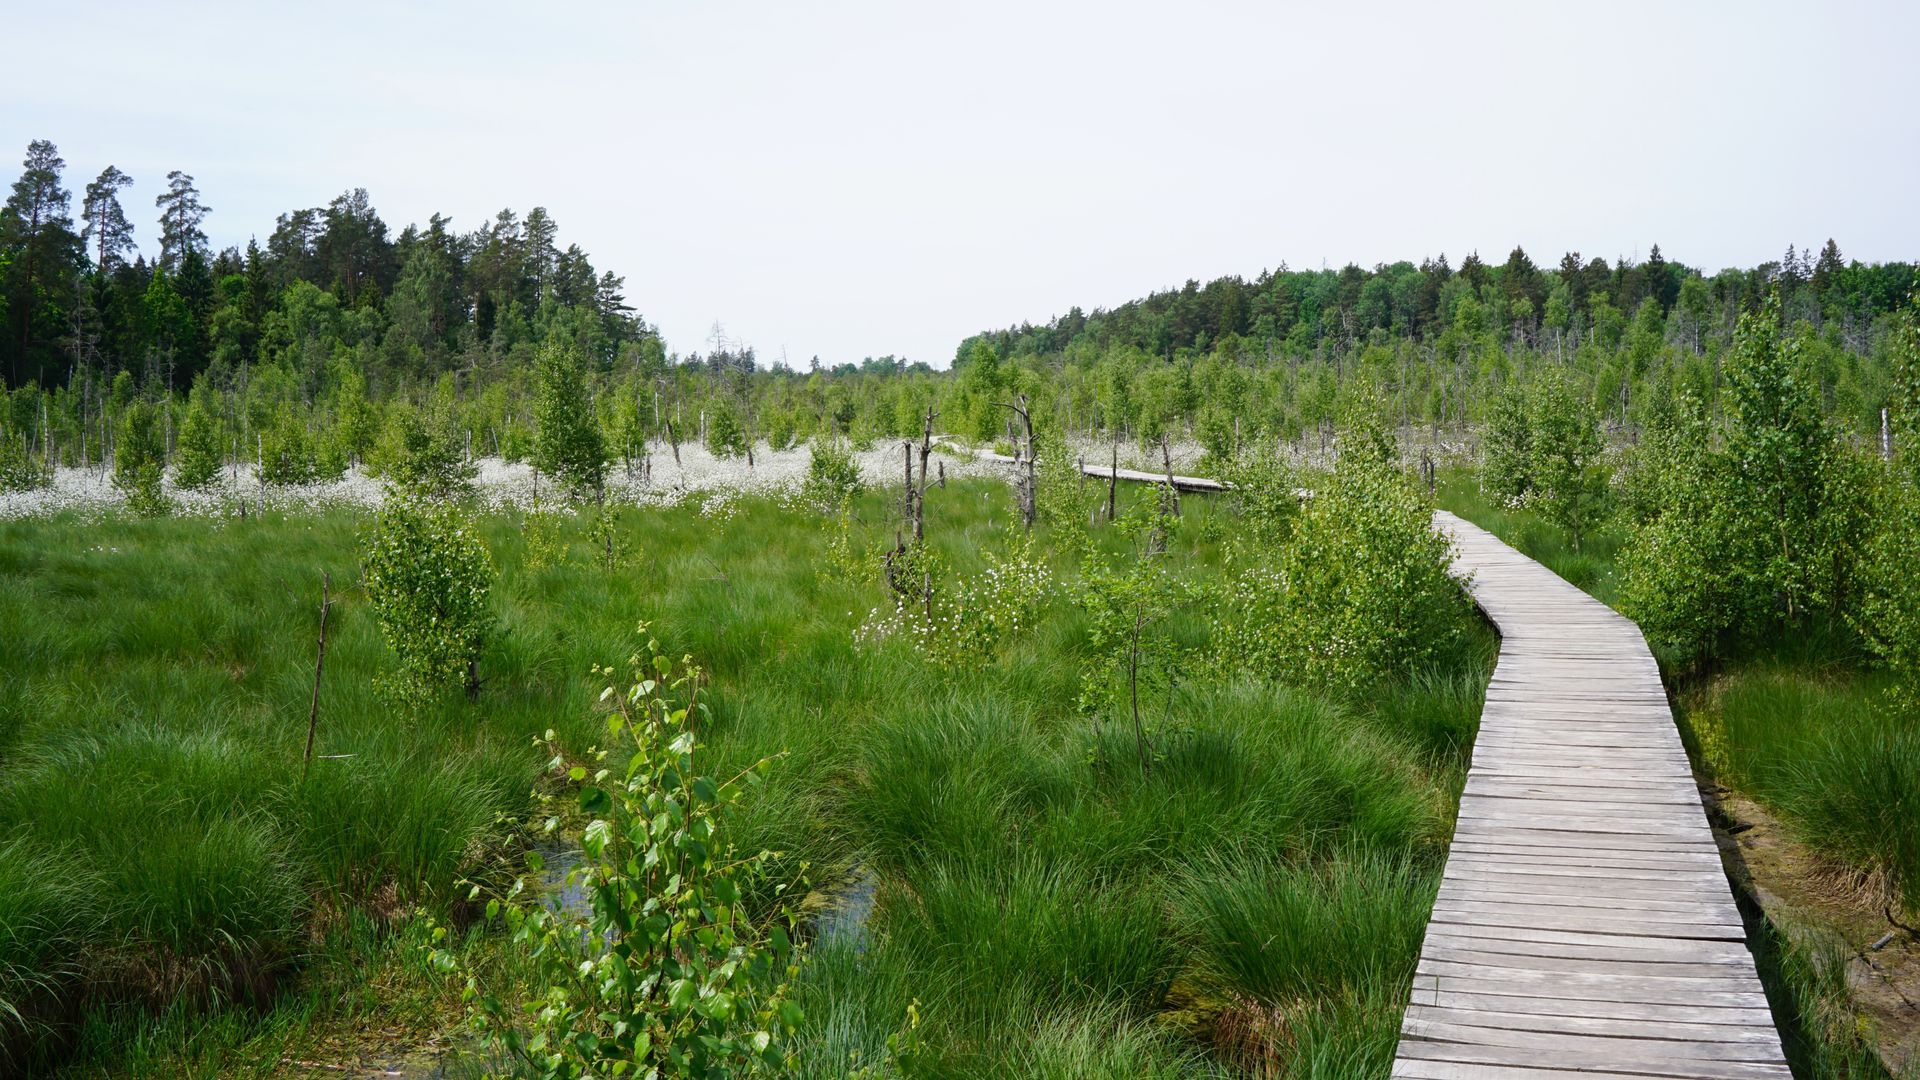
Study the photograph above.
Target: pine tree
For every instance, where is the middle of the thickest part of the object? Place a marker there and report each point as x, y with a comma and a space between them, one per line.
107, 231
181, 213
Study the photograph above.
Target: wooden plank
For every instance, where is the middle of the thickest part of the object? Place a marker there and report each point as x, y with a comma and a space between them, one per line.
1583, 924
1640, 1046
1608, 1061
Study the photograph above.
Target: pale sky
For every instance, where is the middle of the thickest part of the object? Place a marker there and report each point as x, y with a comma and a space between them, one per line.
851, 180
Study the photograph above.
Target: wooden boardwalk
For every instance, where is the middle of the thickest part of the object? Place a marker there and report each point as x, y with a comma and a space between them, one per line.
1584, 925
1105, 472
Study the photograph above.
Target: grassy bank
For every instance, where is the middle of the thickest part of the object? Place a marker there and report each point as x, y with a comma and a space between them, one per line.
1252, 900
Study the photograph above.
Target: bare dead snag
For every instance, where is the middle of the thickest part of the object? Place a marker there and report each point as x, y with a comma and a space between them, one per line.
1113, 480
1023, 462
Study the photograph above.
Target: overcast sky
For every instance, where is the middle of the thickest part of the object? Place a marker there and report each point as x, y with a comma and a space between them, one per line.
850, 180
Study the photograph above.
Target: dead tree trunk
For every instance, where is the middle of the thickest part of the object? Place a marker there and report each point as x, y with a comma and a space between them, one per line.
1113, 480
1025, 478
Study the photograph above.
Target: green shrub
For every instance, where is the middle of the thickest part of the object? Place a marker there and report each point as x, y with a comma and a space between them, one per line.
726, 432
1359, 593
1888, 618
1506, 471
833, 476
428, 576
1568, 479
19, 469
953, 620
668, 976
568, 445
1754, 535
200, 455
782, 433
140, 460
423, 452
288, 454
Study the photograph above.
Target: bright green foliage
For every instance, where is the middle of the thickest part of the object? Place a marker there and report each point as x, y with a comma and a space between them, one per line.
1889, 614
726, 432
668, 977
424, 452
288, 451
1781, 456
983, 381
1360, 593
20, 470
428, 577
355, 423
1127, 601
1754, 536
139, 460
568, 444
781, 430
1569, 482
833, 476
1276, 931
1507, 447
1063, 497
629, 432
199, 455
1903, 408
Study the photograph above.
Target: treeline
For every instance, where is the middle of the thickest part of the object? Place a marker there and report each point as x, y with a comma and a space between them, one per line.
335, 331
1279, 354
84, 303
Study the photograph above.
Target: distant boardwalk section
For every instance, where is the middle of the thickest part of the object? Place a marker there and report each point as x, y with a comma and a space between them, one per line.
1584, 925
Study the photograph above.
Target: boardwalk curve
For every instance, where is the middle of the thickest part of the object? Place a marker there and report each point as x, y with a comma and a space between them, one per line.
1584, 925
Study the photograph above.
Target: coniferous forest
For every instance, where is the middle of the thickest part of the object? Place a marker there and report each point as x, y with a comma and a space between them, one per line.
411, 663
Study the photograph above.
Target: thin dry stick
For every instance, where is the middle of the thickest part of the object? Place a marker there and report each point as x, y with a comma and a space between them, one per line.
319, 664
1166, 456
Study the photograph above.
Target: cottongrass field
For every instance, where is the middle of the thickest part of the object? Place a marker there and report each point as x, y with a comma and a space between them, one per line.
499, 485
178, 896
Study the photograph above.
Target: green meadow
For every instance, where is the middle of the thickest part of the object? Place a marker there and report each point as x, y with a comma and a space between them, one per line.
180, 883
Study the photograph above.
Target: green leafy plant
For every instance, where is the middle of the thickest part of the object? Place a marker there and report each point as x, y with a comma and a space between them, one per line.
429, 578
1506, 472
668, 976
1568, 478
139, 460
288, 454
726, 431
569, 445
1359, 592
1889, 615
1127, 600
833, 476
199, 458
19, 469
424, 454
